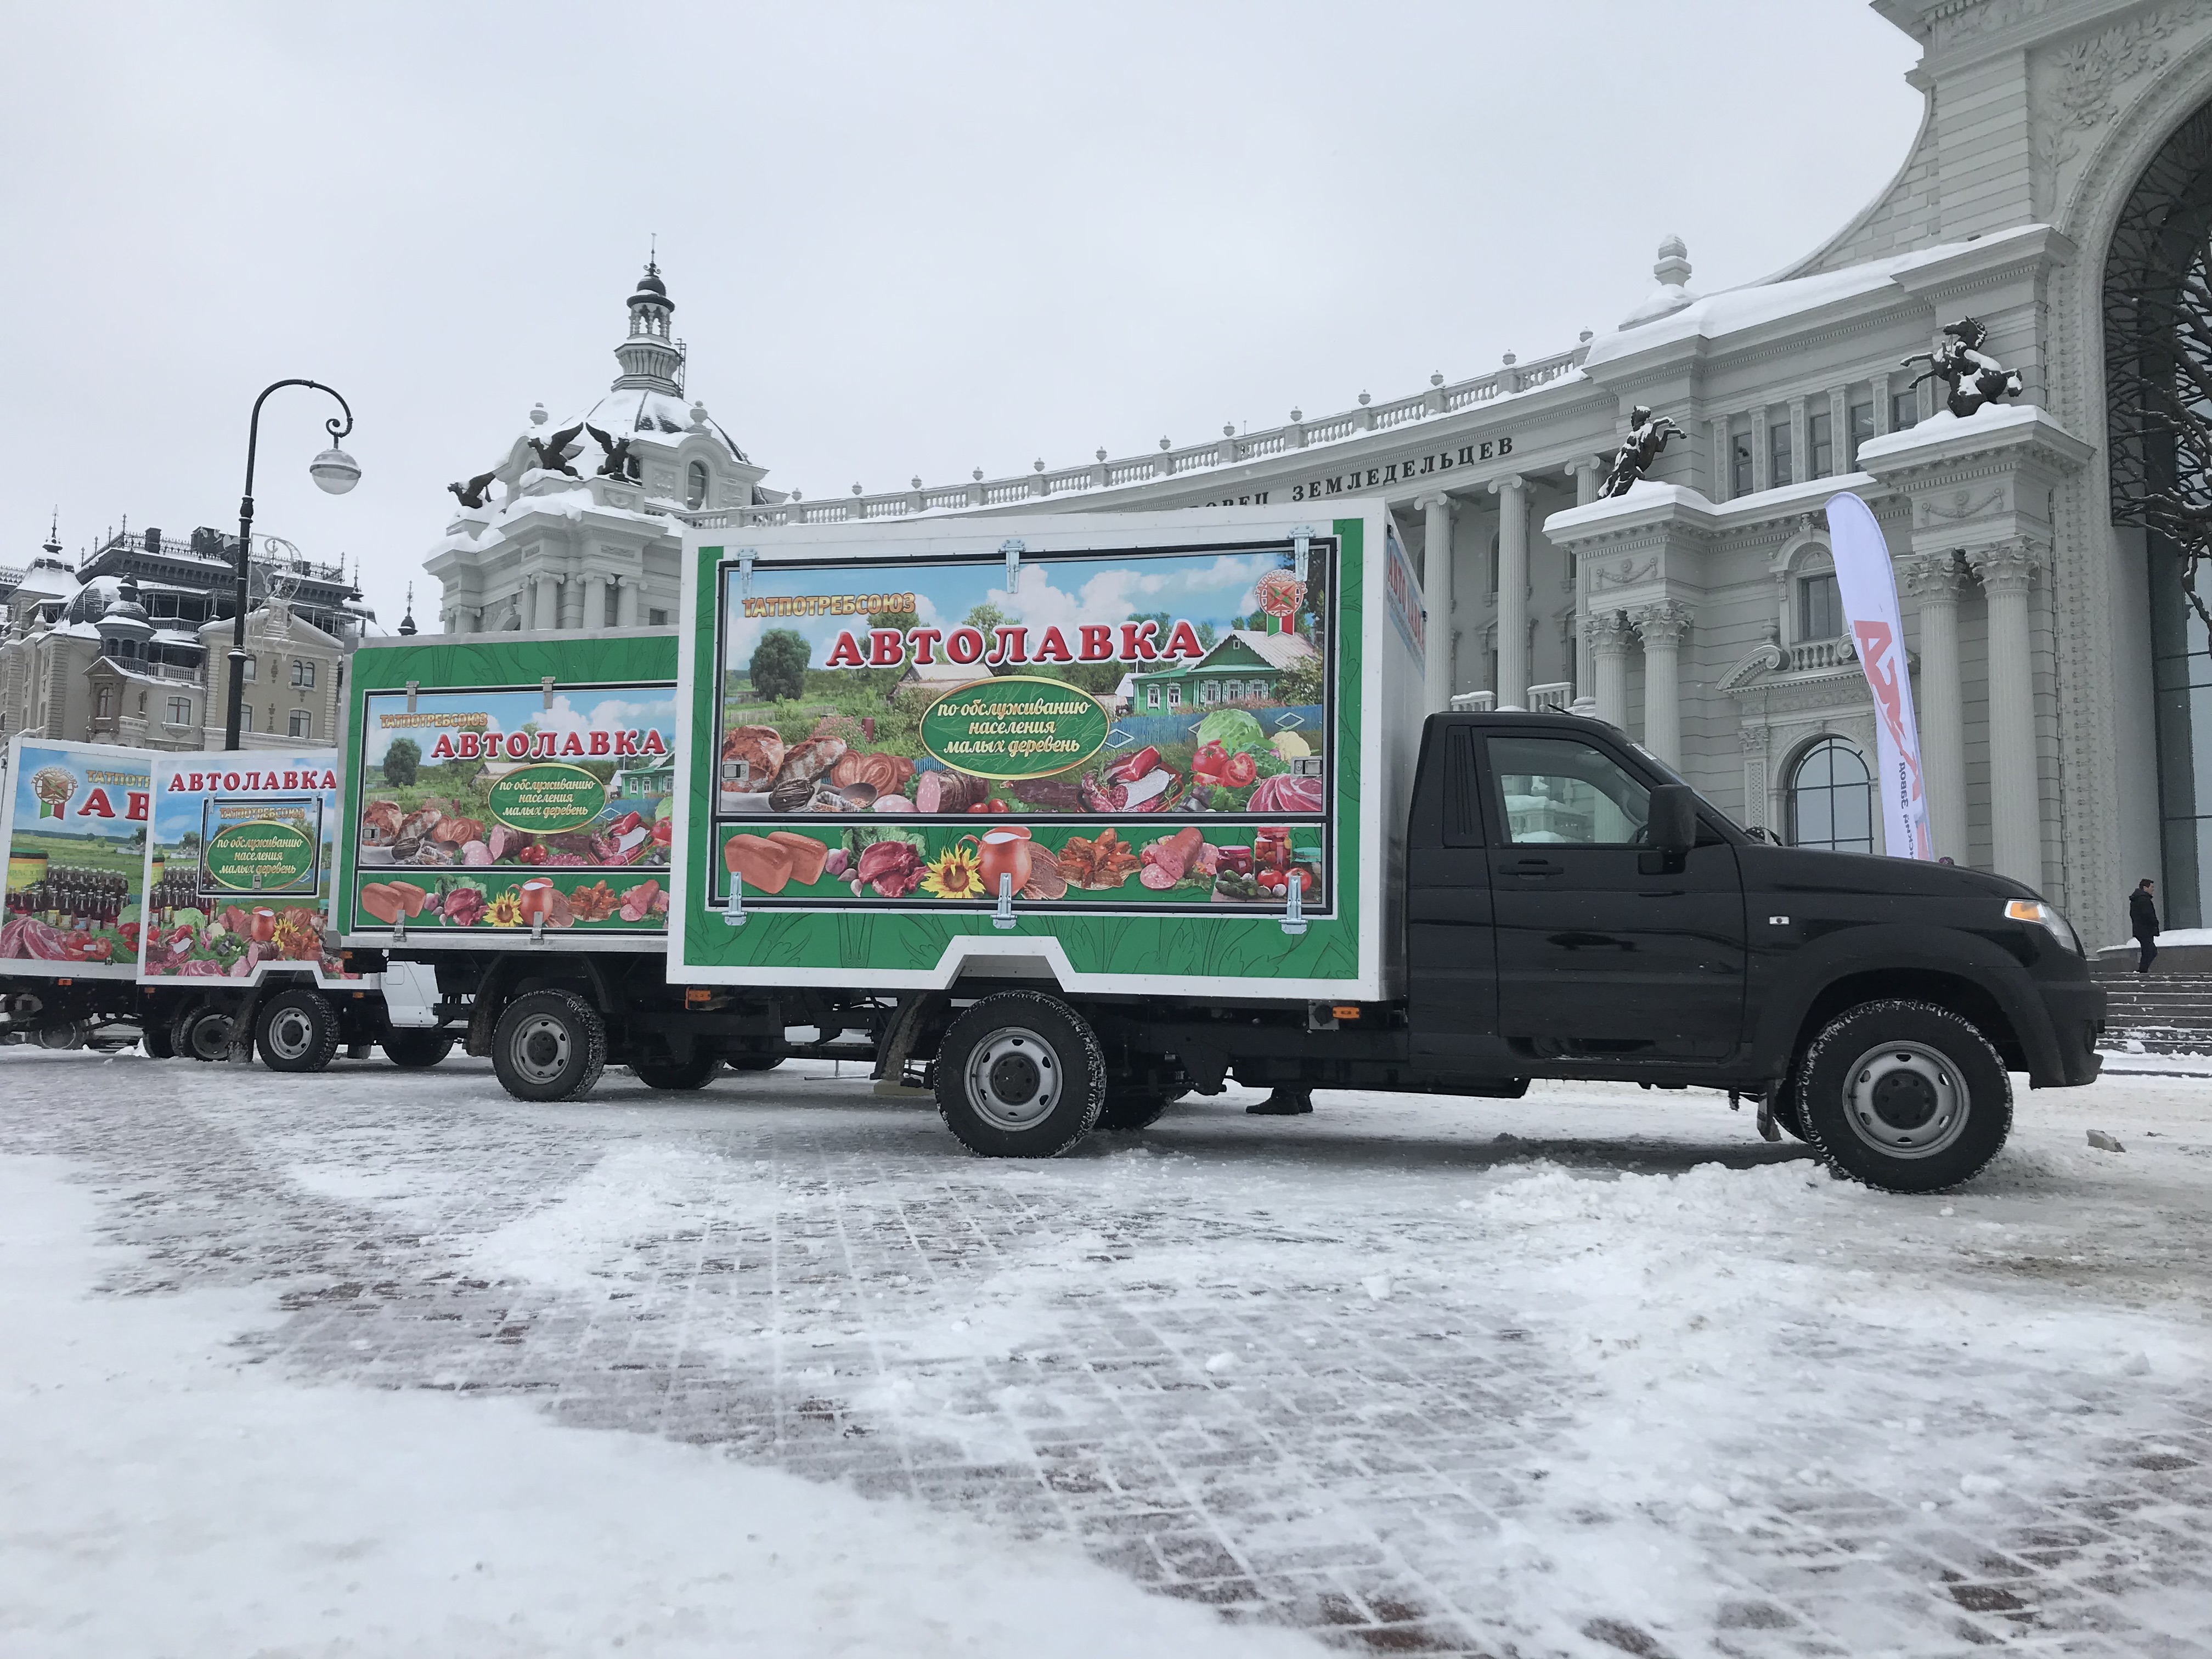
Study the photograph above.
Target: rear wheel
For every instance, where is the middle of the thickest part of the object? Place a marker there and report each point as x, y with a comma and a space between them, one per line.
695, 1073
415, 1051
754, 1062
1134, 1105
1020, 1075
200, 1032
154, 1038
298, 1032
548, 1045
1904, 1096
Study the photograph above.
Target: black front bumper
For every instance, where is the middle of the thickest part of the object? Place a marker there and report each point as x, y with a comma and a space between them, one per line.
2077, 1008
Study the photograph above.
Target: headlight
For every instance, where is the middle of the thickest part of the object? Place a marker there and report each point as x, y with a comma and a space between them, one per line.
2045, 916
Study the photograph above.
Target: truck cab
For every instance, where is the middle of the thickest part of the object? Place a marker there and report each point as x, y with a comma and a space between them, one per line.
1574, 909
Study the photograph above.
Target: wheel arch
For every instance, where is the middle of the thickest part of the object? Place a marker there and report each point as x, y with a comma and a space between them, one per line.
1960, 994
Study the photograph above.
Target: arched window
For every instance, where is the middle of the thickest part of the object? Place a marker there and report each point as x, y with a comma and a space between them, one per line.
695, 496
1832, 800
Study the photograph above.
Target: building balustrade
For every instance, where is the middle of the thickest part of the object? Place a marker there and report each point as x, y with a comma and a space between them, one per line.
1554, 698
1228, 450
1817, 654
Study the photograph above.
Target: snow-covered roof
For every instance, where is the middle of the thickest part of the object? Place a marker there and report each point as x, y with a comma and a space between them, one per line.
46, 579
1736, 310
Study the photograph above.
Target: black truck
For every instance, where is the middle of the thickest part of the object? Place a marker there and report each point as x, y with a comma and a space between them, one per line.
1571, 908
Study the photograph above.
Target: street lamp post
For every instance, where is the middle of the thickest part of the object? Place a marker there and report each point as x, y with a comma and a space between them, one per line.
335, 470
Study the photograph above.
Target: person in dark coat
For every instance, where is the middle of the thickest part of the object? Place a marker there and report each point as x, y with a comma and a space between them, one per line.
2143, 922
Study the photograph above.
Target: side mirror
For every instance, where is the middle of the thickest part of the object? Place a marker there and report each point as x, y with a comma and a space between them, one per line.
1672, 826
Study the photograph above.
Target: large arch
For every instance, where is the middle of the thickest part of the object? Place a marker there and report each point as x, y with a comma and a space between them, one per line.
2109, 809
2153, 289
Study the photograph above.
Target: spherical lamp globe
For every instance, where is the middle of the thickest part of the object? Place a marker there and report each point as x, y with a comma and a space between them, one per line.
335, 470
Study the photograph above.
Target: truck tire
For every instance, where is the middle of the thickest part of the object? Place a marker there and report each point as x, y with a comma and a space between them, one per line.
1906, 1096
1020, 1075
298, 1032
415, 1051
1133, 1106
695, 1073
548, 1045
200, 1032
154, 1038
754, 1062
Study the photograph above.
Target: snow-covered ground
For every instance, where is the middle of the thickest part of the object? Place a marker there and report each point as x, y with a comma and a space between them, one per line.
1588, 1373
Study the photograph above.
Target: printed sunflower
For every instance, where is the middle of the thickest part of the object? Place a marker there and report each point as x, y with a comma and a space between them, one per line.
953, 876
505, 911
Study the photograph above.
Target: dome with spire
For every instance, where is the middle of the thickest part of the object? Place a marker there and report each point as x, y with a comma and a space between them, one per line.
644, 413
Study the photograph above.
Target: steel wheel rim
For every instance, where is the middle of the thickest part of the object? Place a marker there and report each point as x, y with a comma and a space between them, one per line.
1014, 1078
210, 1036
539, 1048
1906, 1100
291, 1034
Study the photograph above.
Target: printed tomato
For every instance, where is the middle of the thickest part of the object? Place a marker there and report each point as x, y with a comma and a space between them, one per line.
1240, 771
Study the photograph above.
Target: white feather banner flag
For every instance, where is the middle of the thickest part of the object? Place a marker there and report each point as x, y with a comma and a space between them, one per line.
1868, 587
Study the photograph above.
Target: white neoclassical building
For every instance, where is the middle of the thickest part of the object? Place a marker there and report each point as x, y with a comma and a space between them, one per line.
2065, 693
582, 535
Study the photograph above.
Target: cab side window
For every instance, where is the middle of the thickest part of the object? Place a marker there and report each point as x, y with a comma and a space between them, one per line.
1561, 791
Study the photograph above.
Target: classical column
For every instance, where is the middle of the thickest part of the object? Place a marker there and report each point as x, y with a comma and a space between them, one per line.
626, 602
1607, 633
1937, 581
1722, 460
2007, 572
595, 602
1436, 587
1512, 493
1662, 626
1587, 472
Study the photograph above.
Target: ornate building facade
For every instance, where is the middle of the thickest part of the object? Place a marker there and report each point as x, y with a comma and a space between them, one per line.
2064, 686
132, 645
582, 534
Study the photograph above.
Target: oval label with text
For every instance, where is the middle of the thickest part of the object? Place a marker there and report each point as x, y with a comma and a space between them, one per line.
262, 856
547, 799
1014, 726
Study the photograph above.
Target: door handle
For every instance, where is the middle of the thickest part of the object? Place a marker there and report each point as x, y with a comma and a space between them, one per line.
1536, 867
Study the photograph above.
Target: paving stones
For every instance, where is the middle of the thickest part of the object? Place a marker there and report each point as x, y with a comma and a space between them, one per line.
1198, 1383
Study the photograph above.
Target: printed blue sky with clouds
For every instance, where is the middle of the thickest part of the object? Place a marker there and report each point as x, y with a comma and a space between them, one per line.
618, 708
1208, 587
34, 758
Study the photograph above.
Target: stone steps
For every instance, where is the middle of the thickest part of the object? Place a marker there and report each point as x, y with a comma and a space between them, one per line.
2157, 1013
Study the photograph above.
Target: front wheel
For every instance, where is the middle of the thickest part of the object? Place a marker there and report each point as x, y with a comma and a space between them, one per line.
298, 1032
695, 1073
1020, 1075
1904, 1096
415, 1050
548, 1045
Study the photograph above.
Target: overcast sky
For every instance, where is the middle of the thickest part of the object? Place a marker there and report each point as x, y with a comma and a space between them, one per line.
901, 239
